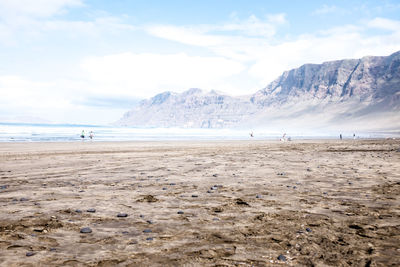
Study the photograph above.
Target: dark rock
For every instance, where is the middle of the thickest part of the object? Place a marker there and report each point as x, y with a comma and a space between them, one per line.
30, 253
172, 184
23, 199
215, 175
208, 191
282, 258
180, 212
86, 230
52, 249
164, 188
141, 216
125, 232
258, 196
195, 196
149, 221
122, 215
149, 239
91, 210
308, 230
147, 231
241, 202
78, 211
308, 169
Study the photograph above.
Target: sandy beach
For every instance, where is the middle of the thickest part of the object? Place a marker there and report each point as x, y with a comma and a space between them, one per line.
228, 203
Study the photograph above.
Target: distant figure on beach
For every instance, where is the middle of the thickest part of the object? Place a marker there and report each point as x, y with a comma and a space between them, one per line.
251, 134
341, 137
283, 137
83, 134
91, 135
354, 136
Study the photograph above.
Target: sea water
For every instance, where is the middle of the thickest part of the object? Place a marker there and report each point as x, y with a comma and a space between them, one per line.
23, 132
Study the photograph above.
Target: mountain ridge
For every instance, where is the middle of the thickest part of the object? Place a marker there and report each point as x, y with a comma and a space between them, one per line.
333, 93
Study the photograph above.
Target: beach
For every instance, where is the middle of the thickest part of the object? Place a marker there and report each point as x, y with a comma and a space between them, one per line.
200, 203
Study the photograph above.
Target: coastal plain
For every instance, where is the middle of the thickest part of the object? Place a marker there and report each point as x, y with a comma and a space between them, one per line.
201, 203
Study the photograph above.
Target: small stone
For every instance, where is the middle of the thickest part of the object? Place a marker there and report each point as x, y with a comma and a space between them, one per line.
81, 191
147, 231
30, 253
91, 210
208, 191
180, 212
258, 196
215, 175
294, 187
281, 258
195, 196
23, 199
53, 249
4, 187
125, 232
308, 230
78, 211
164, 188
215, 219
86, 230
149, 221
141, 216
149, 239
172, 184
122, 215
308, 169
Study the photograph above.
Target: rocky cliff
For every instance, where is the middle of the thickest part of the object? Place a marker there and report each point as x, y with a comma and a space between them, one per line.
352, 92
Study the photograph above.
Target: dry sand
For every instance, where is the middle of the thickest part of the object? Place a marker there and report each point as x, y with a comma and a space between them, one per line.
334, 203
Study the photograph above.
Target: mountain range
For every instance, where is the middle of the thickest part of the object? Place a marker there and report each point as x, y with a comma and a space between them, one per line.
349, 95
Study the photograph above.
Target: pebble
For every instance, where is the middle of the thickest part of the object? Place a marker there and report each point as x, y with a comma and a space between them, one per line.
23, 199
4, 187
164, 188
86, 230
172, 184
215, 175
195, 196
308, 230
180, 212
78, 211
215, 219
308, 169
149, 221
147, 231
281, 258
91, 210
281, 173
141, 216
258, 196
149, 239
208, 191
53, 249
30, 253
122, 215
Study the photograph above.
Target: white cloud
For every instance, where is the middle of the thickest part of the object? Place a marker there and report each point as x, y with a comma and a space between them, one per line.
10, 9
147, 74
384, 24
266, 58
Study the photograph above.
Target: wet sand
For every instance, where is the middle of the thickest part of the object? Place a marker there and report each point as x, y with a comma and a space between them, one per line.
323, 203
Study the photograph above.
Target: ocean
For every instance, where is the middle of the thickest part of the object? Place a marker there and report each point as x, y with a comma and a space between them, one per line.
24, 132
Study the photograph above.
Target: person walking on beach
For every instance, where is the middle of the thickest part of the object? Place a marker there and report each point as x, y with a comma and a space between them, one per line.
341, 137
91, 135
83, 134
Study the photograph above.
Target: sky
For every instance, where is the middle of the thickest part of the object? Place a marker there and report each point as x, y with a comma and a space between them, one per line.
90, 61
